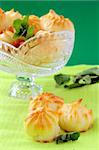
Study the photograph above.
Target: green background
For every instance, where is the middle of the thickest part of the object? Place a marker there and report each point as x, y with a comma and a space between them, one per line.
85, 16
14, 111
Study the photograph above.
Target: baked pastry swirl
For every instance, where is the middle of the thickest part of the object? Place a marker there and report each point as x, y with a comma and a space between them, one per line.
7, 18
7, 36
75, 117
49, 117
53, 22
2, 20
42, 124
47, 100
35, 21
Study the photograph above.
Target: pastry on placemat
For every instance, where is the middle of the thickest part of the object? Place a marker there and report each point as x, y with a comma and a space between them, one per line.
75, 117
42, 124
47, 100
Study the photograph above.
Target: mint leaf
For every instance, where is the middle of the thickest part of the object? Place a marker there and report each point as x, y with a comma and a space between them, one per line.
61, 78
91, 71
71, 136
85, 80
15, 36
74, 85
30, 32
86, 77
17, 25
24, 22
22, 28
74, 136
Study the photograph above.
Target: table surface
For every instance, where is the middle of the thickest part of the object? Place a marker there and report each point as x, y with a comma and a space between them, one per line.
14, 111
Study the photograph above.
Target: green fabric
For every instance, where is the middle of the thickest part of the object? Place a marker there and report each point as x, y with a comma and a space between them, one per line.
14, 111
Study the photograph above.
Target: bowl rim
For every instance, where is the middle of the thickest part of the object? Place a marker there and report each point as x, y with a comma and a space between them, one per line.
51, 33
24, 63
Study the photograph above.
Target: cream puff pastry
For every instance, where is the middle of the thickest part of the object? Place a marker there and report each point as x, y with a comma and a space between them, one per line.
75, 117
34, 21
54, 22
47, 100
7, 18
42, 124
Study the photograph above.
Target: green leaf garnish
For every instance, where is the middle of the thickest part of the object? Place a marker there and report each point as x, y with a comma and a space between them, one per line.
61, 78
91, 71
30, 32
86, 77
22, 28
24, 22
72, 136
17, 25
15, 35
85, 80
74, 85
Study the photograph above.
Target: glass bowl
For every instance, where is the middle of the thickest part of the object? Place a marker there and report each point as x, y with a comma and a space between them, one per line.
56, 50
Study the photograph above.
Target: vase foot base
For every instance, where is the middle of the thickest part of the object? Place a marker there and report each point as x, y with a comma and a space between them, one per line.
24, 90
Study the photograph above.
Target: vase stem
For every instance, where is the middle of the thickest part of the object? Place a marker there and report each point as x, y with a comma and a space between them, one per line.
25, 87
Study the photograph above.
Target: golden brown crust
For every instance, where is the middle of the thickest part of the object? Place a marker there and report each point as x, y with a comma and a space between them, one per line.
11, 16
7, 36
42, 124
75, 117
40, 113
42, 121
54, 22
2, 20
35, 21
48, 113
47, 100
7, 18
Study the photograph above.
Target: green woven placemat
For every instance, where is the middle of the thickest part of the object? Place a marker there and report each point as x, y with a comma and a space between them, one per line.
14, 111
